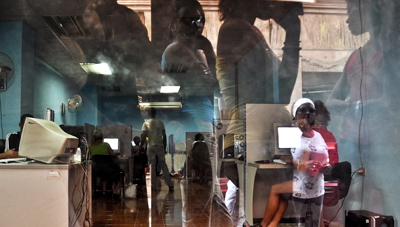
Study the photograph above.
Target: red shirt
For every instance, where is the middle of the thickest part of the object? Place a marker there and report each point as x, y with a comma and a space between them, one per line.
329, 139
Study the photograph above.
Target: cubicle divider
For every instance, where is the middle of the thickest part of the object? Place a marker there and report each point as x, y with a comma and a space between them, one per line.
256, 179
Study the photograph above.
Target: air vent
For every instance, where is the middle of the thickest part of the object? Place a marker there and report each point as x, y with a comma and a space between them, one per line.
71, 26
110, 88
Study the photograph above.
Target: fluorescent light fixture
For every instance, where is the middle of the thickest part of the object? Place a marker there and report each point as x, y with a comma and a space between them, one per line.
170, 89
160, 105
96, 68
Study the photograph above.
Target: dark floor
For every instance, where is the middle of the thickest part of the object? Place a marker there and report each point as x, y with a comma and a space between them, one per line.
188, 205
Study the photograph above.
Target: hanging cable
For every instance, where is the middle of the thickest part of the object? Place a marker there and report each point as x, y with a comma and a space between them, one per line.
361, 101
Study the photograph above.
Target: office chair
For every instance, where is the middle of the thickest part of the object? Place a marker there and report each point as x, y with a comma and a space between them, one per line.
340, 172
2, 145
106, 167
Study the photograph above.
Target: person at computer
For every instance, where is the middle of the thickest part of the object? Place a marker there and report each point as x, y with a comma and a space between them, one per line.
13, 139
307, 160
199, 159
9, 154
99, 147
140, 162
322, 118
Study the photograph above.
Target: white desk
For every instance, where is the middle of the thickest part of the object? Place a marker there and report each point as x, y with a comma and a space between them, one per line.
256, 201
42, 194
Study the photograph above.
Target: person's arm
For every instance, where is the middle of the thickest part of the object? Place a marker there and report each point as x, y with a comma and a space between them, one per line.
290, 60
336, 100
9, 154
164, 139
110, 151
143, 139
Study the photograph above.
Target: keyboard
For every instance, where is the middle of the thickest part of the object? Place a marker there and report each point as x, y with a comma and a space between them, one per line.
13, 161
278, 161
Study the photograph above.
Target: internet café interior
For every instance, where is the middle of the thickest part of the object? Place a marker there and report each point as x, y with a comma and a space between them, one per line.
254, 81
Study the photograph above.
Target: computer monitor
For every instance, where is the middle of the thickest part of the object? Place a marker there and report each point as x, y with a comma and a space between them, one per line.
45, 141
286, 137
114, 143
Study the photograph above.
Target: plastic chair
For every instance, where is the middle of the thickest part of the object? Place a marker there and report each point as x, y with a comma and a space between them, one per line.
107, 167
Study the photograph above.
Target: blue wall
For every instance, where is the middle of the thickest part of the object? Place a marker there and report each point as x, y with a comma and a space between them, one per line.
17, 41
35, 85
88, 111
51, 90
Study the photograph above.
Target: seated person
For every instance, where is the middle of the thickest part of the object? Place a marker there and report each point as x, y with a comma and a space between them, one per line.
307, 161
9, 154
140, 162
99, 147
12, 139
322, 117
199, 159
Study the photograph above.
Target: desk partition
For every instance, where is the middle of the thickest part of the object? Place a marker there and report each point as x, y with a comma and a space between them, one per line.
256, 179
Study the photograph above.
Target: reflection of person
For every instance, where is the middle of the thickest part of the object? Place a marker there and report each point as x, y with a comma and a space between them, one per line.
199, 159
244, 53
307, 160
361, 85
157, 145
246, 64
99, 147
190, 50
13, 139
9, 154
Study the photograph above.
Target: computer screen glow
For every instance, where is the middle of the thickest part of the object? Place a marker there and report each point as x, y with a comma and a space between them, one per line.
289, 137
114, 143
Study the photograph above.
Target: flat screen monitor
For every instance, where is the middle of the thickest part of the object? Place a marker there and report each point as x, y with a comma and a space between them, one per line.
114, 143
286, 137
45, 141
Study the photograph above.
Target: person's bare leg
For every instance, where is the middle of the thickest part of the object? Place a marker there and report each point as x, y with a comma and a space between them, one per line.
279, 213
274, 206
117, 188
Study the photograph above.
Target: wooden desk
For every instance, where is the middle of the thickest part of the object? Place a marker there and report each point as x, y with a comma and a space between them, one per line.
42, 194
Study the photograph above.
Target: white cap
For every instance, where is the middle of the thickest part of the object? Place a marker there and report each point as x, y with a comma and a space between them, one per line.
300, 102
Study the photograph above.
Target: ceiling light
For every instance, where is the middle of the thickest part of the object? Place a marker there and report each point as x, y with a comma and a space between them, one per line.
96, 68
160, 105
170, 89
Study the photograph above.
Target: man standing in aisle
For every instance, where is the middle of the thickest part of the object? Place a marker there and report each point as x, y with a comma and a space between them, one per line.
157, 144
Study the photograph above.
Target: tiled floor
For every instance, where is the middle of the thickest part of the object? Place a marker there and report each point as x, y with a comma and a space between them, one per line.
188, 205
